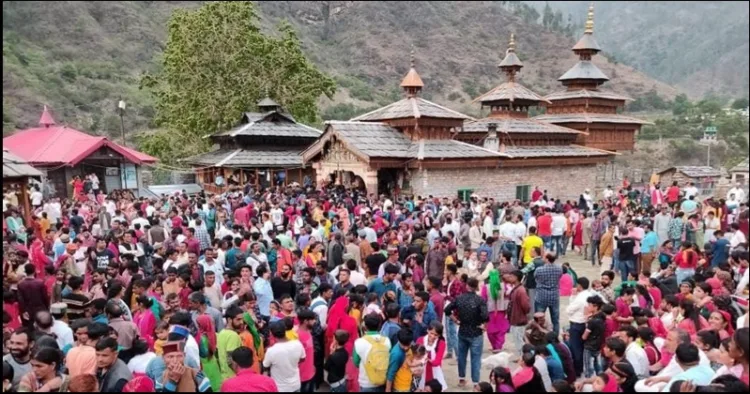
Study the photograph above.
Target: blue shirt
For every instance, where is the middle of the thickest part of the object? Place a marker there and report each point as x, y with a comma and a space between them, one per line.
650, 243
720, 252
700, 375
555, 369
689, 206
379, 287
264, 294
231, 258
390, 330
395, 361
419, 329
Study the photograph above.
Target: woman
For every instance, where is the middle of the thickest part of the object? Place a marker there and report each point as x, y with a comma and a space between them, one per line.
15, 225
702, 299
677, 230
739, 350
252, 338
206, 338
502, 379
686, 291
528, 379
343, 215
142, 356
563, 354
625, 376
728, 365
666, 254
686, 261
115, 293
434, 343
647, 336
78, 189
689, 318
498, 325
721, 322
578, 236
339, 319
44, 375
145, 320
708, 341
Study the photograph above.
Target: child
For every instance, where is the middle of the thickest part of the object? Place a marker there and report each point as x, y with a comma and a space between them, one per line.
162, 333
373, 306
335, 365
416, 361
603, 383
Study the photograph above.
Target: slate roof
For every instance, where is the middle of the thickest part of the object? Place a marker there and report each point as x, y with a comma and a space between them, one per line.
369, 140
411, 107
587, 117
587, 42
555, 151
510, 91
517, 125
744, 166
267, 125
584, 69
585, 93
695, 171
15, 167
261, 157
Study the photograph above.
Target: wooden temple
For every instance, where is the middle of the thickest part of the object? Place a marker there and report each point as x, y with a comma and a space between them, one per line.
263, 150
584, 106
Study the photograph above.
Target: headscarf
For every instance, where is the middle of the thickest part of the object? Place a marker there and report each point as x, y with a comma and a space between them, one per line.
611, 386
495, 284
251, 326
140, 384
206, 327
523, 376
728, 319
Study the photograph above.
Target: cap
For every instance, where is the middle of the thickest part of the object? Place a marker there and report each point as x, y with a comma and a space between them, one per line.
65, 238
180, 330
158, 245
58, 308
173, 347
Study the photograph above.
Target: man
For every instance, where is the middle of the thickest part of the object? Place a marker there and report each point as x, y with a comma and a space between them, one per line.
719, 249
418, 316
675, 338
392, 259
548, 289
20, 344
382, 285
60, 329
127, 331
634, 353
593, 336
661, 224
283, 255
179, 378
559, 223
577, 315
371, 353
433, 287
688, 358
284, 283
209, 263
283, 359
519, 307
392, 325
607, 248
111, 372
307, 321
100, 256
626, 246
613, 352
713, 224
344, 281
471, 314
529, 243
588, 229
157, 233
435, 261
336, 252
32, 295
246, 380
197, 306
229, 339
649, 249
319, 305
544, 228
607, 292
256, 258
308, 286
689, 206
398, 378
322, 276
81, 359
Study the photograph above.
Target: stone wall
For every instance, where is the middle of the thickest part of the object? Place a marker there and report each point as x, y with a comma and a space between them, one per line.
566, 182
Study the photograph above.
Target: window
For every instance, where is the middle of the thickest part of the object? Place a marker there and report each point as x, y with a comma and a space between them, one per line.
465, 194
523, 192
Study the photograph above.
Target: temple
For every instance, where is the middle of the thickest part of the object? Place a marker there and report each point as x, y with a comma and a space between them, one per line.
264, 149
584, 106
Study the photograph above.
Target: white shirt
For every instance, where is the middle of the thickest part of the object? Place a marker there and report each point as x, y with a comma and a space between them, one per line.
142, 221
737, 239
63, 332
608, 193
255, 260
277, 216
738, 192
139, 363
216, 268
191, 350
558, 225
638, 359
577, 307
36, 198
508, 230
362, 347
541, 365
357, 278
691, 191
283, 360
150, 210
519, 232
320, 309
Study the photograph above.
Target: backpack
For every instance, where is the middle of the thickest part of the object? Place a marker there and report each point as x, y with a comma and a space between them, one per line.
376, 365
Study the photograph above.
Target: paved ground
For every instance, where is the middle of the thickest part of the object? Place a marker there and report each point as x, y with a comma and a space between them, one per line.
450, 367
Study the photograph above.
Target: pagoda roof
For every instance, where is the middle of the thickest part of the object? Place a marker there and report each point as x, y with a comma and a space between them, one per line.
15, 167
522, 152
586, 93
412, 79
588, 117
510, 91
510, 60
587, 42
695, 171
517, 125
270, 124
584, 69
378, 140
411, 107
744, 166
267, 102
253, 157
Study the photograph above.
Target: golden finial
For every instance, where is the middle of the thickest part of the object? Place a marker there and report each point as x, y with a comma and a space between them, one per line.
512, 43
411, 56
590, 20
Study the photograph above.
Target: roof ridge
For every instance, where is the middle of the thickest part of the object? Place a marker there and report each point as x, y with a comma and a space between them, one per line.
378, 109
445, 108
498, 154
355, 122
415, 108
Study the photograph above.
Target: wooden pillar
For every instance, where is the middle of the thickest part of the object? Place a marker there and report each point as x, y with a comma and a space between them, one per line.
24, 183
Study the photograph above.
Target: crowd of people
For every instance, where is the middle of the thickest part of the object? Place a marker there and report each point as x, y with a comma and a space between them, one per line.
297, 289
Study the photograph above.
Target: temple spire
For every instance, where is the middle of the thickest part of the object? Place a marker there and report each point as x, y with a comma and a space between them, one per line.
590, 20
511, 64
412, 82
46, 120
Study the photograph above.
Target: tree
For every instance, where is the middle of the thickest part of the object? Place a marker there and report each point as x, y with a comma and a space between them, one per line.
740, 103
217, 64
681, 105
548, 16
557, 21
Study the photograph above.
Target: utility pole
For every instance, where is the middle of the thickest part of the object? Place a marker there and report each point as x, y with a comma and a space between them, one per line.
708, 159
121, 109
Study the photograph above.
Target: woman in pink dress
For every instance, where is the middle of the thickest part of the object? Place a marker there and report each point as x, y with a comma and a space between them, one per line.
578, 236
434, 343
498, 325
145, 320
343, 215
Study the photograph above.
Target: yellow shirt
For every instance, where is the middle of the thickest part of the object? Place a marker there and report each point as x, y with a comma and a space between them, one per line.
531, 242
402, 380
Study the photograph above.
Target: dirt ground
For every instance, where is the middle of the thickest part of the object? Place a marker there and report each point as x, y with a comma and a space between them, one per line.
450, 366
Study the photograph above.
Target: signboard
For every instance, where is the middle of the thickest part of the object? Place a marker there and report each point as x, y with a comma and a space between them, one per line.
129, 177
112, 171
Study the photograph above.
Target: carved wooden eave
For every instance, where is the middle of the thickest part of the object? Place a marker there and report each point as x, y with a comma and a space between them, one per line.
318, 148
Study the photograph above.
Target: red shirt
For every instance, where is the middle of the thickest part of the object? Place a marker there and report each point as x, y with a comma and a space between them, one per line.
241, 217
307, 367
193, 245
686, 259
536, 195
544, 226
673, 194
248, 381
